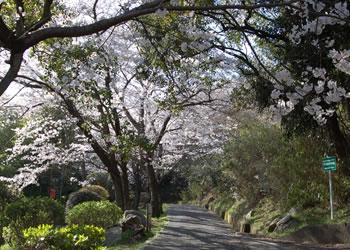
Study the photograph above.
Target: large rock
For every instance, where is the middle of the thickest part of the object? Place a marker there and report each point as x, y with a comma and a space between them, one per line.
137, 213
133, 223
285, 223
113, 235
293, 211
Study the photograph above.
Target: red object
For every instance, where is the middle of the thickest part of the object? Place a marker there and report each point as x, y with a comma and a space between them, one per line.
52, 193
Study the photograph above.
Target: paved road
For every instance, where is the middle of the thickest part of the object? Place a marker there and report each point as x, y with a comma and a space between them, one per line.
191, 227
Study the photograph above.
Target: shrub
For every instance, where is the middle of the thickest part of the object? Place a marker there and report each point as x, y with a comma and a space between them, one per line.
29, 212
64, 238
101, 191
6, 196
104, 180
80, 197
2, 224
101, 214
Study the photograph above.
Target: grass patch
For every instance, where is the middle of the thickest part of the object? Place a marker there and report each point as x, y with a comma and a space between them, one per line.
317, 215
265, 213
129, 243
223, 203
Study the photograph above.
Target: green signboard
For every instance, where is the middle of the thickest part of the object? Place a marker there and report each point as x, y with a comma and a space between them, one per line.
329, 163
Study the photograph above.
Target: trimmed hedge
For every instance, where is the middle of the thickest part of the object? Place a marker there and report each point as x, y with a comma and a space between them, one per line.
101, 191
80, 197
29, 212
64, 238
98, 213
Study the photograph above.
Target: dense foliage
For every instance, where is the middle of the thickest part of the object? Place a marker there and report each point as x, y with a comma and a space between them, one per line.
98, 213
101, 191
153, 92
78, 197
261, 162
64, 238
29, 212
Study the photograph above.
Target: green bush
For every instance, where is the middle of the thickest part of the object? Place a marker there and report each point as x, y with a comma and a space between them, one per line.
2, 224
98, 213
102, 179
64, 238
29, 212
6, 196
101, 191
80, 197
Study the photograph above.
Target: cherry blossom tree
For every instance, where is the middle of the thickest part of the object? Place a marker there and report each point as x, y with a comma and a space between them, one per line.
292, 60
44, 142
167, 134
102, 81
25, 24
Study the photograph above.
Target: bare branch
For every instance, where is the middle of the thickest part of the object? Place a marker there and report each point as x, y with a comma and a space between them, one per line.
231, 7
94, 10
8, 101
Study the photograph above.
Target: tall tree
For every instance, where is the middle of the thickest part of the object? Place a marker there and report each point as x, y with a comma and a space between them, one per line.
106, 85
24, 24
296, 65
47, 140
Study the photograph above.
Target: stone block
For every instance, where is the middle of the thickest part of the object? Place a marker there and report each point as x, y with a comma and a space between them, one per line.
138, 214
245, 228
113, 235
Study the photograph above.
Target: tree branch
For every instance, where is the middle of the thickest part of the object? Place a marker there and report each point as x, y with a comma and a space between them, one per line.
162, 131
15, 66
45, 18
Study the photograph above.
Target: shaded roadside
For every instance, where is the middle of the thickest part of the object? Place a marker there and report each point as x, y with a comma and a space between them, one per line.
192, 227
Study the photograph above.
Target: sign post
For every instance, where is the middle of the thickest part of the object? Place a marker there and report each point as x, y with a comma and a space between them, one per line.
329, 164
148, 217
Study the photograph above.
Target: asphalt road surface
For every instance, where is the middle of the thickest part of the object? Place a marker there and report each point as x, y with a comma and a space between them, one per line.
192, 227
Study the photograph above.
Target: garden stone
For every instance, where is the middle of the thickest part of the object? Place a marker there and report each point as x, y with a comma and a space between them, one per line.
133, 223
293, 211
113, 235
137, 213
285, 223
285, 220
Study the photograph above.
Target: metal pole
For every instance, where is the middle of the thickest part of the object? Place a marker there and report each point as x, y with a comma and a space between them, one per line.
330, 192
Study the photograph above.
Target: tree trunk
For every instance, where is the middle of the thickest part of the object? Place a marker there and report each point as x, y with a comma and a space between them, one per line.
118, 189
125, 185
155, 191
340, 143
137, 178
83, 171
